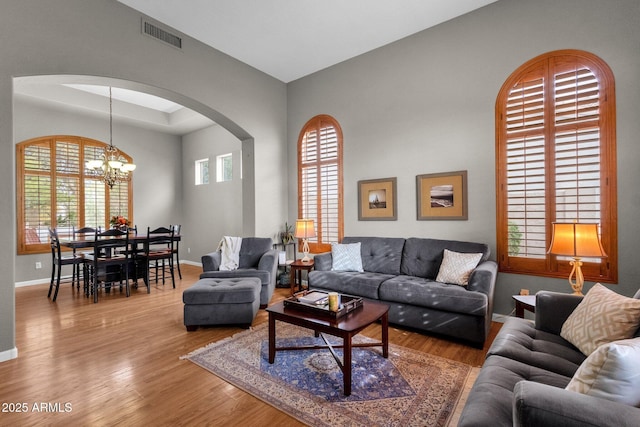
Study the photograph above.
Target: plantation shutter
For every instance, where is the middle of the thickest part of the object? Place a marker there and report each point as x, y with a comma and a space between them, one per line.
320, 180
67, 195
556, 155
525, 146
36, 195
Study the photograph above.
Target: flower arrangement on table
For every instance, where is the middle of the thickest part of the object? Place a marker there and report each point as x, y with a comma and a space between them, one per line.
119, 222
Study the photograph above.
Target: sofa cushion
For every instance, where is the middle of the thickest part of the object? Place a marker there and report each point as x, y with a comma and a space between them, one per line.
489, 402
346, 257
379, 254
601, 317
456, 267
611, 372
422, 257
427, 293
348, 282
519, 340
252, 249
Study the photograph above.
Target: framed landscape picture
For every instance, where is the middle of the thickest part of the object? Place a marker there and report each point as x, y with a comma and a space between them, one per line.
442, 196
377, 200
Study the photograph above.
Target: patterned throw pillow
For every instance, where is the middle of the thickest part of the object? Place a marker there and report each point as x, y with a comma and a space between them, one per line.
456, 267
611, 372
346, 257
601, 317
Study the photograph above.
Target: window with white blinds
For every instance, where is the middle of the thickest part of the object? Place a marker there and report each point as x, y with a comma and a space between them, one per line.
555, 139
320, 180
55, 189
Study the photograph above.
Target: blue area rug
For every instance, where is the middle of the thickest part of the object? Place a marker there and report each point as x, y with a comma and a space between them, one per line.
409, 388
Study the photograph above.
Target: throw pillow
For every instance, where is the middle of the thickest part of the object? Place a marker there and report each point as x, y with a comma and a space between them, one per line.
456, 267
601, 317
346, 257
611, 372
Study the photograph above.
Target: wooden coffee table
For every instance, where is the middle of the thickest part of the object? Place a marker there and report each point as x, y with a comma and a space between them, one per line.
345, 327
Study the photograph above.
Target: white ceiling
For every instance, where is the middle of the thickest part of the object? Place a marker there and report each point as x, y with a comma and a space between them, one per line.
289, 39
129, 106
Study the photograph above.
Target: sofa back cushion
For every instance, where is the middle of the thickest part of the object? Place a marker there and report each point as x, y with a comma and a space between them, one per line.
422, 257
379, 254
252, 249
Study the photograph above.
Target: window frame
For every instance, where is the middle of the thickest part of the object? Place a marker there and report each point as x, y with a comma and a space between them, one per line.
221, 160
83, 177
319, 244
552, 265
199, 172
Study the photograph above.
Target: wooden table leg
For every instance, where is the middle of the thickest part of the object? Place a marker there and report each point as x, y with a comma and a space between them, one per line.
272, 339
385, 335
519, 309
346, 372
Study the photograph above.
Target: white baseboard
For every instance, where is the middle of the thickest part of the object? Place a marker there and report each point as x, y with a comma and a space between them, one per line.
36, 282
67, 277
500, 318
8, 355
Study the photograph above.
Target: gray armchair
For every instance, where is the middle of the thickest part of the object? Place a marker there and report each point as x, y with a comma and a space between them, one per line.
257, 259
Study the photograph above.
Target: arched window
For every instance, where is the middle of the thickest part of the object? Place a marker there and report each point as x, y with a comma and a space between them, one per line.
55, 189
556, 157
320, 180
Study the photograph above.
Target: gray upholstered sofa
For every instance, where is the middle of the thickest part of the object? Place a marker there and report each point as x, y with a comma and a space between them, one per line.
402, 273
528, 366
257, 259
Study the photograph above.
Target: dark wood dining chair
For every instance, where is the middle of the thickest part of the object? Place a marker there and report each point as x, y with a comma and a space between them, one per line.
158, 254
109, 263
81, 233
176, 247
58, 261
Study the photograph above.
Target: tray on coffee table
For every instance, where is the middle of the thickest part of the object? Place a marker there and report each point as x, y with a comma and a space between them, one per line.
348, 303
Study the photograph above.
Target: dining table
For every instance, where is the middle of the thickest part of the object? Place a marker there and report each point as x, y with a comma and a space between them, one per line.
136, 241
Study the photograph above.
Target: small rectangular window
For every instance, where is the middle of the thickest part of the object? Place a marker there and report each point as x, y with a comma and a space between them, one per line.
224, 167
202, 171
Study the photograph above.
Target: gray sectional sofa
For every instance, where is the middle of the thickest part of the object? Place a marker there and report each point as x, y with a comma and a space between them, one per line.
528, 366
402, 273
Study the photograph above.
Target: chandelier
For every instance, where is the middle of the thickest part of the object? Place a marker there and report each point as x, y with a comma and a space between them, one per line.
111, 167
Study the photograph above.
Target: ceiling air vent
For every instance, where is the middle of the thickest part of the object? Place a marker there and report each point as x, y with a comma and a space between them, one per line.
153, 30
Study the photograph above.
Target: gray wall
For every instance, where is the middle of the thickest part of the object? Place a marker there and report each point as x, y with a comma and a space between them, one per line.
158, 178
102, 38
425, 104
210, 211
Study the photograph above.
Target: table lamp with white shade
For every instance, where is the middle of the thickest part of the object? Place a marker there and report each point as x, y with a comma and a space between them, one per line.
304, 230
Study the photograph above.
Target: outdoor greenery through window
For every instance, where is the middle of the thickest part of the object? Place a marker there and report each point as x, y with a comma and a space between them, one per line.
202, 171
555, 139
55, 189
320, 180
224, 167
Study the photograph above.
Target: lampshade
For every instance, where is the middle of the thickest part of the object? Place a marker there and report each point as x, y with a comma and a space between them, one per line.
576, 240
304, 229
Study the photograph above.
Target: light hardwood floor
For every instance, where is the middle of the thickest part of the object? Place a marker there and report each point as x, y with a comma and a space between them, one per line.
117, 362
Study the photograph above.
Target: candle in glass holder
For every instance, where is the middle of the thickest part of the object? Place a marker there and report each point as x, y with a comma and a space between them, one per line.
334, 301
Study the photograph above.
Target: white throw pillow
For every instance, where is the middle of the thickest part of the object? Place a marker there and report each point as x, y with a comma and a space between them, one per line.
602, 316
611, 372
346, 257
456, 267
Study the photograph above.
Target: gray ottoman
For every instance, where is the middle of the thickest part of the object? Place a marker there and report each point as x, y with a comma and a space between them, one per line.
225, 301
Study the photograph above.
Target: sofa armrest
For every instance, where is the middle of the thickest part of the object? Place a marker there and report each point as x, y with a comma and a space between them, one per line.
553, 308
322, 261
536, 404
211, 262
483, 278
269, 262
